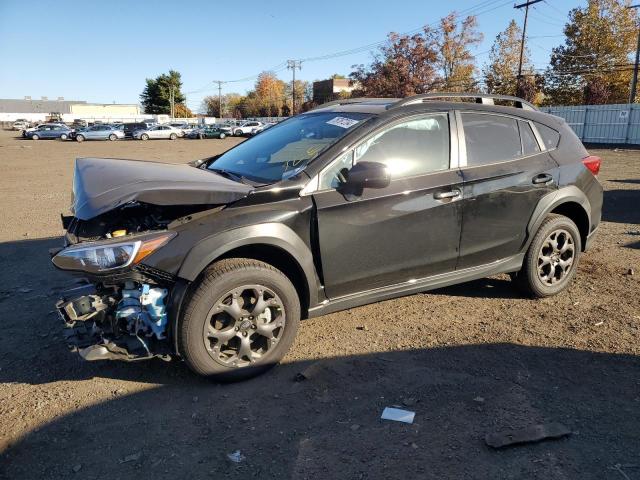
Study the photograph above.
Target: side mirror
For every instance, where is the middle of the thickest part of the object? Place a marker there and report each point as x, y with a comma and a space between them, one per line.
368, 175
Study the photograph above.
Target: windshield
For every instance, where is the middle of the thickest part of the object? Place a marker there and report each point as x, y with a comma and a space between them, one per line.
284, 150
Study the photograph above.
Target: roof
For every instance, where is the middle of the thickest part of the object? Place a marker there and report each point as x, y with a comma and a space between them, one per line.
380, 105
37, 106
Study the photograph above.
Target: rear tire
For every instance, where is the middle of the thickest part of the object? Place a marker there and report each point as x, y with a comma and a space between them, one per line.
552, 259
225, 333
222, 136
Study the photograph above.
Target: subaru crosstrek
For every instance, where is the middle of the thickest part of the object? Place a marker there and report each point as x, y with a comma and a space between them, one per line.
354, 202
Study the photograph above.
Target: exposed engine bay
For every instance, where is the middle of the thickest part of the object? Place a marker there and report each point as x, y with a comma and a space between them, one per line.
120, 315
122, 212
126, 322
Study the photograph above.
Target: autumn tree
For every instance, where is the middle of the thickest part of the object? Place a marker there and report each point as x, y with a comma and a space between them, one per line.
592, 66
155, 97
501, 73
456, 62
230, 102
301, 88
405, 65
182, 111
270, 94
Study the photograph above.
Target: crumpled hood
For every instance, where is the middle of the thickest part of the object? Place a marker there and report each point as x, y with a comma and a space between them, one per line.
102, 184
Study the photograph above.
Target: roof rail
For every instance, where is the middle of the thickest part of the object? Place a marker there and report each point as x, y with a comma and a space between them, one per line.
484, 98
347, 101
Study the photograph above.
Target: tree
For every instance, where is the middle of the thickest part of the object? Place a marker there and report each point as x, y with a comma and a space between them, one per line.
302, 88
155, 97
501, 73
230, 102
405, 66
182, 111
593, 64
270, 94
457, 64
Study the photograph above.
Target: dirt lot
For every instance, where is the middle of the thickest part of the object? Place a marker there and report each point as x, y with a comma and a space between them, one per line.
469, 360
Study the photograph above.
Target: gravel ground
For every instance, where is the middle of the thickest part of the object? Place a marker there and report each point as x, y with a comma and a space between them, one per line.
468, 360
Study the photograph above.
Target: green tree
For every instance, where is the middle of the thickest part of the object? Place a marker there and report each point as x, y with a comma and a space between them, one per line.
155, 97
593, 64
456, 62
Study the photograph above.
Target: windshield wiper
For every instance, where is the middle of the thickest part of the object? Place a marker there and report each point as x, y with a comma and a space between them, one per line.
227, 174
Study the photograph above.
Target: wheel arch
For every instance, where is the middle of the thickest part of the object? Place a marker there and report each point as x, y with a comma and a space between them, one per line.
568, 201
272, 243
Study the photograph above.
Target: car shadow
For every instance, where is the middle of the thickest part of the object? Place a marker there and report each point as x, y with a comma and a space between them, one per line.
329, 426
490, 287
619, 206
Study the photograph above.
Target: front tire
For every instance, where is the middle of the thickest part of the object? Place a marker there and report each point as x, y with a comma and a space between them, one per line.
113, 137
552, 259
63, 136
173, 136
35, 137
79, 138
240, 320
144, 136
222, 136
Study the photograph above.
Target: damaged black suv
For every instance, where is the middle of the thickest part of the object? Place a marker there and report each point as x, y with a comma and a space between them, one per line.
354, 202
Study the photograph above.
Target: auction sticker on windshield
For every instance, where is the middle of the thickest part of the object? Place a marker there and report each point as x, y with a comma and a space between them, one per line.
342, 122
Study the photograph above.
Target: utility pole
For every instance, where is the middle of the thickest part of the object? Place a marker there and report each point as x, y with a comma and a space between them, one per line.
171, 102
292, 65
219, 82
524, 34
634, 82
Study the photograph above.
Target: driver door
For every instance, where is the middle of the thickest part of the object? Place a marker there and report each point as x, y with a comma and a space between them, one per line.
403, 232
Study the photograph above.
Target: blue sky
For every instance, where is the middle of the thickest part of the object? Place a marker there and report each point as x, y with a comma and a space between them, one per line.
103, 51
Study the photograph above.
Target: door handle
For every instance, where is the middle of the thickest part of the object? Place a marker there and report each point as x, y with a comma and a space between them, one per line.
543, 178
444, 195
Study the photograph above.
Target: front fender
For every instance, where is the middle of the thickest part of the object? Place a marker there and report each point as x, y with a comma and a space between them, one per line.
273, 234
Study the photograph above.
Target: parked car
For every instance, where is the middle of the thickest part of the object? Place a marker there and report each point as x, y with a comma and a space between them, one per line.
262, 127
129, 128
207, 132
157, 132
183, 128
354, 202
98, 132
49, 131
26, 132
246, 128
20, 124
226, 128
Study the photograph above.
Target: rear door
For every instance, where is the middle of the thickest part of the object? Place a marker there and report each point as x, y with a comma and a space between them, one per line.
506, 170
403, 232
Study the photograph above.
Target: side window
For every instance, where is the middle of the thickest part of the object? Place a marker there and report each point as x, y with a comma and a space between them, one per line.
490, 138
332, 177
410, 148
549, 136
529, 142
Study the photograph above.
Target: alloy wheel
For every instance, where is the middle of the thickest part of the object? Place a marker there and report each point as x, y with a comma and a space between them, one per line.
556, 256
244, 325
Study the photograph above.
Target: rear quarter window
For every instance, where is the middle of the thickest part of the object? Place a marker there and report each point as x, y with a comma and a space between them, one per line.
549, 136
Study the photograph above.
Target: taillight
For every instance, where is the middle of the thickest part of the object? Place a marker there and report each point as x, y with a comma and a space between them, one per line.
592, 162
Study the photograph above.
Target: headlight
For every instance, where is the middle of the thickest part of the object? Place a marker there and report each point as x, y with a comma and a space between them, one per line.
98, 257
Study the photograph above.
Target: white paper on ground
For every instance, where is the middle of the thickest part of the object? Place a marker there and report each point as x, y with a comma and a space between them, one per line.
398, 415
